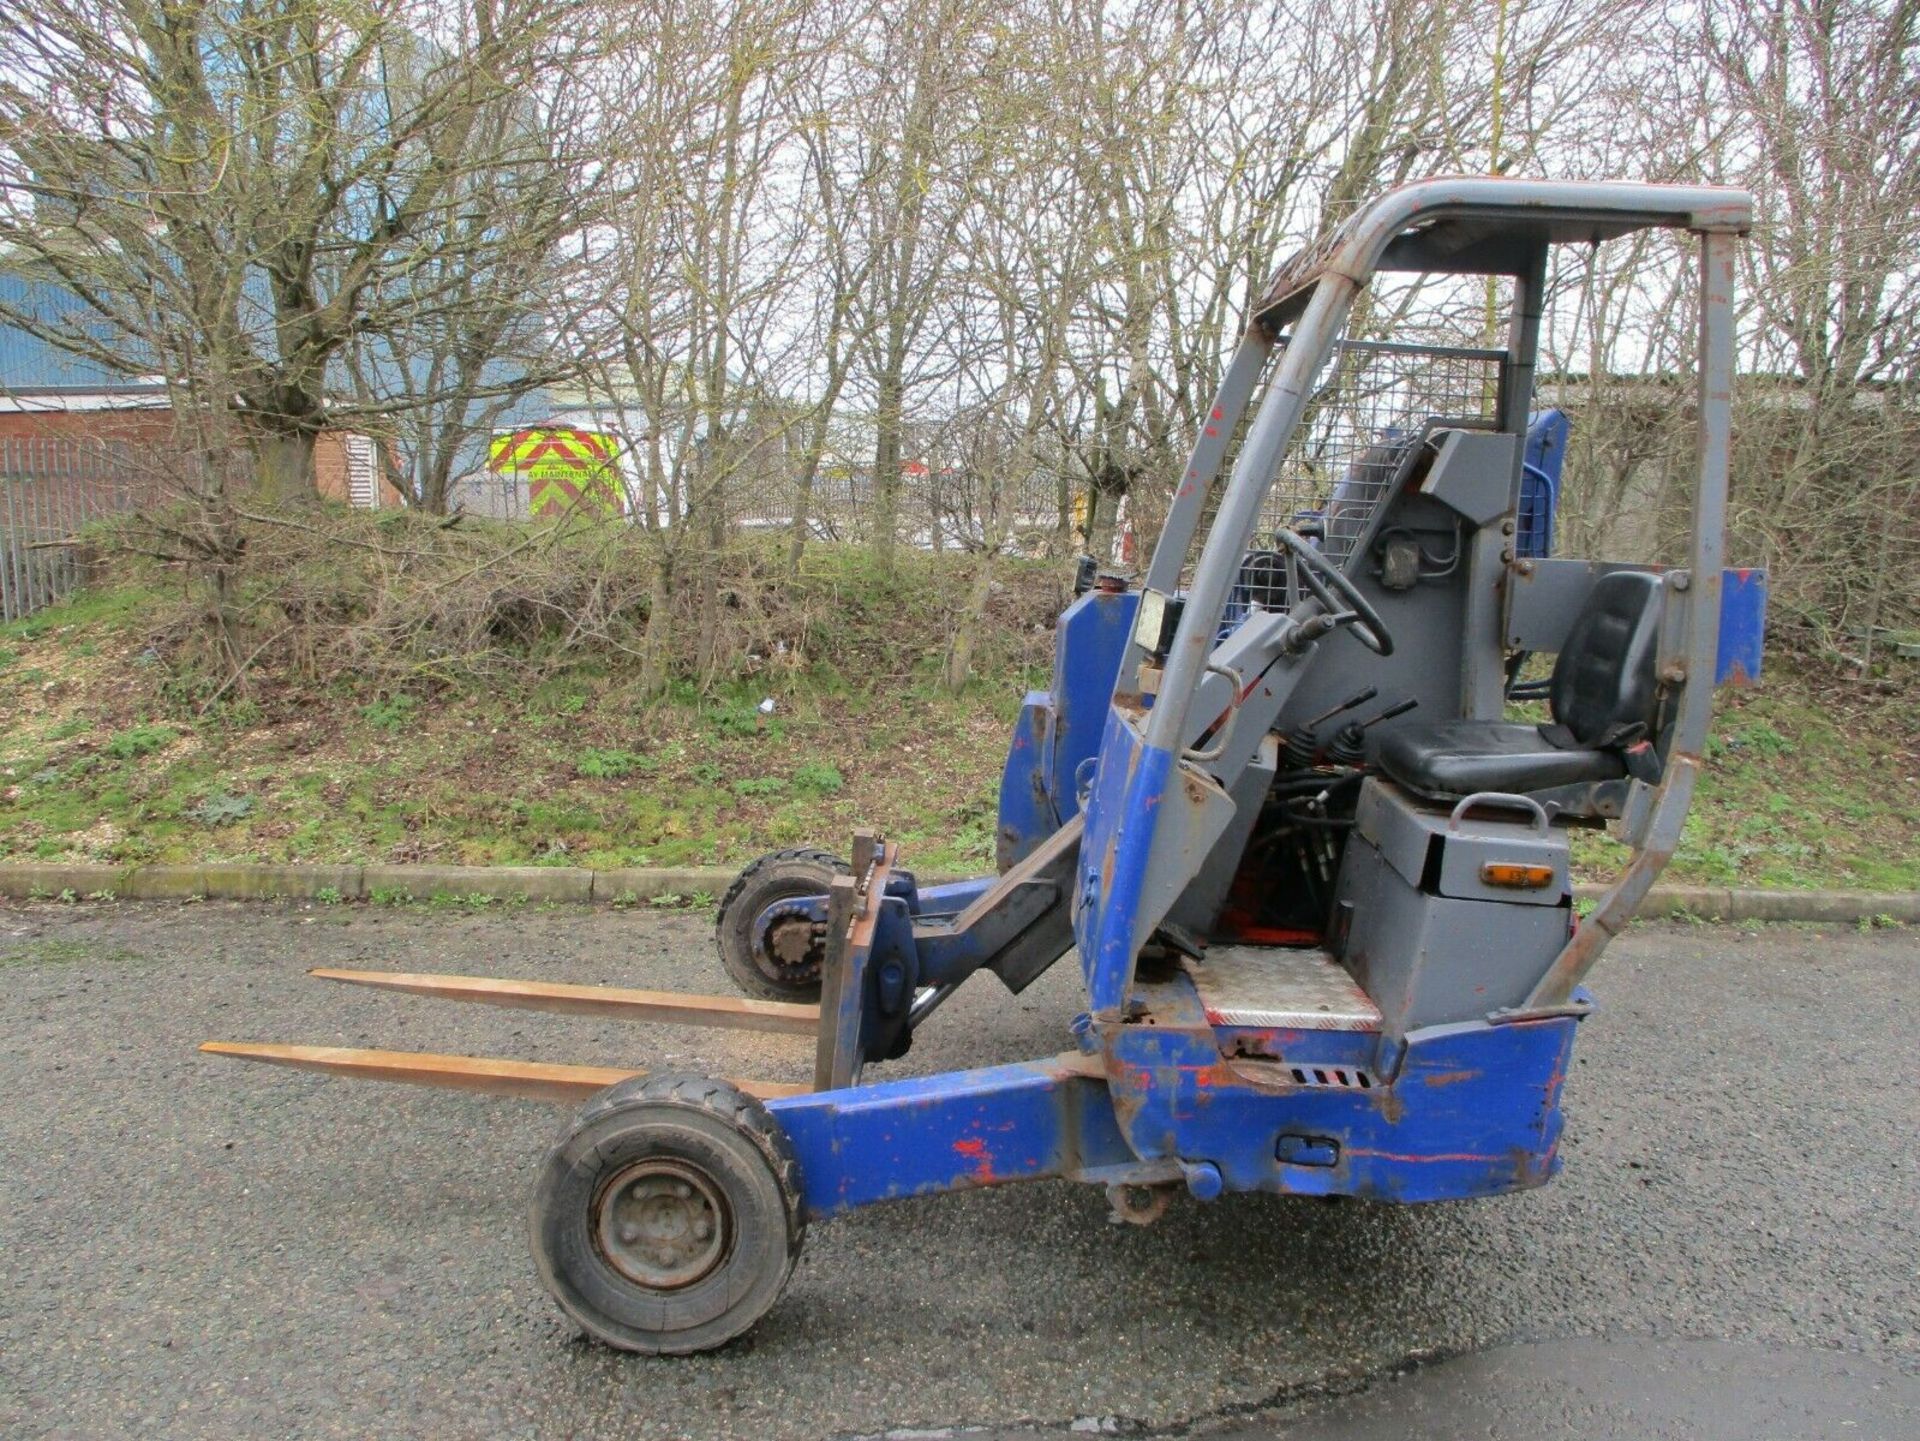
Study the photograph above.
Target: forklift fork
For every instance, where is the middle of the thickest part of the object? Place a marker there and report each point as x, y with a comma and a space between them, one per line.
836, 1023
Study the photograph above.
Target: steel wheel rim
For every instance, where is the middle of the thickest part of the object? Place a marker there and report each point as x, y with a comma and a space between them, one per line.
662, 1224
784, 945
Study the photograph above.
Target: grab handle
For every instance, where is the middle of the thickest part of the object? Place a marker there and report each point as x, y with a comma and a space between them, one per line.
1505, 800
1219, 746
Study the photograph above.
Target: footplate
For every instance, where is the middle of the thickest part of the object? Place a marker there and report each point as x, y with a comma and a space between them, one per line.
1277, 987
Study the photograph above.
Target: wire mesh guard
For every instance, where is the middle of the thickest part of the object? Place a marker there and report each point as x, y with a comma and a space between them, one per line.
1377, 401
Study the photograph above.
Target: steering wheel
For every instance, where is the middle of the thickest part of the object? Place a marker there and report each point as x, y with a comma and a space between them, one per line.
1344, 603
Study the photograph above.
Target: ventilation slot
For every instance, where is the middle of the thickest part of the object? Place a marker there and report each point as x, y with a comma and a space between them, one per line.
1339, 1078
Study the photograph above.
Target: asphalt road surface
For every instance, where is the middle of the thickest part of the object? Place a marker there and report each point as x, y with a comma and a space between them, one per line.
193, 1247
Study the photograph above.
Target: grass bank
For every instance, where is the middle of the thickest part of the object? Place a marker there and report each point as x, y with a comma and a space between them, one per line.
109, 755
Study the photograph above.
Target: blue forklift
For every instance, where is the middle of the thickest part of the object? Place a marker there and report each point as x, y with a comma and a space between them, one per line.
1315, 881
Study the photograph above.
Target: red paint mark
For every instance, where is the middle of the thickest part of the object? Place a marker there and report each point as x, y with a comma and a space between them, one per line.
1217, 415
1212, 431
980, 1162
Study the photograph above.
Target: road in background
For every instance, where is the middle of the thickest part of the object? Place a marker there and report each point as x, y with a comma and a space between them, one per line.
199, 1248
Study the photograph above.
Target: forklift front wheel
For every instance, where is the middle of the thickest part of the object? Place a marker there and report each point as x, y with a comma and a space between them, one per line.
777, 957
669, 1216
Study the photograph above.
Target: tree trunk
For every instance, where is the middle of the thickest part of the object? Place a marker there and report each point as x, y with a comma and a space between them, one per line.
838, 366
654, 657
707, 645
966, 630
816, 449
428, 490
886, 468
802, 505
283, 467
1102, 513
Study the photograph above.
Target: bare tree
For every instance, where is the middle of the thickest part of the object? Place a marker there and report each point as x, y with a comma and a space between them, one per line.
1007, 329
239, 193
698, 321
1814, 105
448, 352
915, 155
1828, 94
843, 266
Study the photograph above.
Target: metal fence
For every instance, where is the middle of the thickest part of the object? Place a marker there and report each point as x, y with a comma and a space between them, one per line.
50, 488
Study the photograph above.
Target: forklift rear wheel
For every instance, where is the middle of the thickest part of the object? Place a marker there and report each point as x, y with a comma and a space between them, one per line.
778, 959
669, 1216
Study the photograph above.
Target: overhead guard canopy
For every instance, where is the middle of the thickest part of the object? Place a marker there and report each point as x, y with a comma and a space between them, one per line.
1488, 226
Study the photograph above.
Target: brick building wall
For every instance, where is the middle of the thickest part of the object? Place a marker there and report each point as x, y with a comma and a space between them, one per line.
152, 425
333, 465
330, 467
145, 425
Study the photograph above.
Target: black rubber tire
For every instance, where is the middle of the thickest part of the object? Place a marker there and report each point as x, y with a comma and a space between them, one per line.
693, 1122
778, 876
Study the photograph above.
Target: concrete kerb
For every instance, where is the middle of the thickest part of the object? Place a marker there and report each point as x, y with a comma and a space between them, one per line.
532, 883
577, 885
1722, 903
658, 883
237, 882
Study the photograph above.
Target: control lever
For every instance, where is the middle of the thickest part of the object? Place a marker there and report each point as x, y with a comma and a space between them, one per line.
1304, 743
1349, 748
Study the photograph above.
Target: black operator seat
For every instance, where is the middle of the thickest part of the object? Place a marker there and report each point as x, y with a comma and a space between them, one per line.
1602, 698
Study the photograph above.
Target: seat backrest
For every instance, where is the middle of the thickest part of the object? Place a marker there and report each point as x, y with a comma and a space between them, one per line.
1604, 676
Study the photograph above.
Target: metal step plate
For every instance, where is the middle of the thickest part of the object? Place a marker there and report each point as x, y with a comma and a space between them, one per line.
1273, 987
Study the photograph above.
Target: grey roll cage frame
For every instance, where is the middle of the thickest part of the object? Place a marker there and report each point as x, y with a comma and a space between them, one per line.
1465, 226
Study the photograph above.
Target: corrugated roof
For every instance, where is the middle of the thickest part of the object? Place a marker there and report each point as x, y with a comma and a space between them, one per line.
28, 362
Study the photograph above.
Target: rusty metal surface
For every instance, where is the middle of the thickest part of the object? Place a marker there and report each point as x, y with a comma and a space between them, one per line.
733, 1012
1691, 673
853, 914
